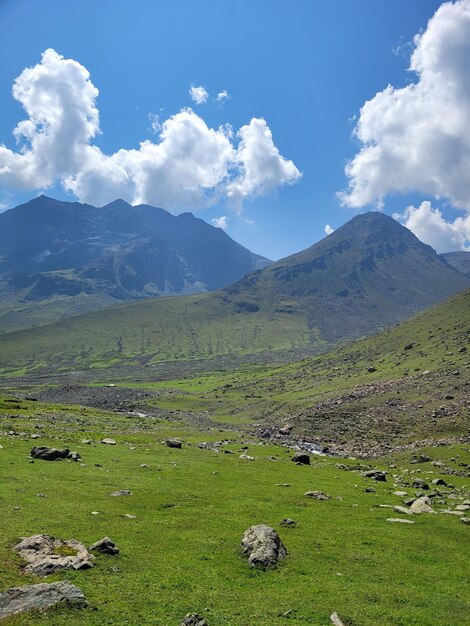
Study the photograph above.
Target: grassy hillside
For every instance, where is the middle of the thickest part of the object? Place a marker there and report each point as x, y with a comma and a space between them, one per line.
167, 329
417, 388
369, 274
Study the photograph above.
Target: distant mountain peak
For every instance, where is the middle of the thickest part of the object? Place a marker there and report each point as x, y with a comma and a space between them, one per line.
53, 252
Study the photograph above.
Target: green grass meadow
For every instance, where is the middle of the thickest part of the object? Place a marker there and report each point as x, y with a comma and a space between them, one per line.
181, 552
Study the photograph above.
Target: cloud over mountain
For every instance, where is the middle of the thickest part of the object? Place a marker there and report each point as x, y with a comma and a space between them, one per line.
428, 224
417, 138
190, 166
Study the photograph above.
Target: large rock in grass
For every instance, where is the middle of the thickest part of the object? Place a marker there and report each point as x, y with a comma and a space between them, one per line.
263, 547
301, 458
193, 619
422, 505
173, 442
39, 597
378, 475
53, 454
105, 546
45, 555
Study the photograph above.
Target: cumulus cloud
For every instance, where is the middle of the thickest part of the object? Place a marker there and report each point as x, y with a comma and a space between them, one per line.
222, 95
329, 229
262, 166
417, 138
59, 98
198, 94
429, 225
220, 222
190, 166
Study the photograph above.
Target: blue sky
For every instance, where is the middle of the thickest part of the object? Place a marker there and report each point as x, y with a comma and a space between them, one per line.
305, 67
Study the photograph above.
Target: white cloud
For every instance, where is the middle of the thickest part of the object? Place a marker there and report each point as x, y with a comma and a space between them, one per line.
59, 98
429, 226
417, 138
190, 166
223, 95
198, 94
263, 169
329, 229
220, 222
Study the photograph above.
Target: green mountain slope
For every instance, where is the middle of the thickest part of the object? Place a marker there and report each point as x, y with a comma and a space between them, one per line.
369, 274
408, 384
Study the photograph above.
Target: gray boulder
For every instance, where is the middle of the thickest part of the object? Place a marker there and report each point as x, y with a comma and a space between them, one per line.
301, 458
263, 547
421, 505
52, 454
45, 555
173, 442
193, 619
105, 546
378, 475
39, 597
317, 495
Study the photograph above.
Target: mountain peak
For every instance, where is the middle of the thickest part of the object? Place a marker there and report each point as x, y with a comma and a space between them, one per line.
118, 203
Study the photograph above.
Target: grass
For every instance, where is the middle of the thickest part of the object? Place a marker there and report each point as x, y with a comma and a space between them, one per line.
180, 328
181, 552
334, 396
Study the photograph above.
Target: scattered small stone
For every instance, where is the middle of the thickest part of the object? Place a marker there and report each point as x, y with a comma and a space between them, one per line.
193, 619
246, 457
35, 436
419, 483
263, 547
121, 492
439, 481
370, 490
462, 507
402, 509
108, 441
282, 485
87, 441
371, 369
39, 597
301, 458
95, 512
129, 516
378, 475
449, 512
41, 495
173, 442
334, 617
286, 429
465, 520
400, 493
105, 546
317, 495
16, 508
143, 465
402, 521
289, 523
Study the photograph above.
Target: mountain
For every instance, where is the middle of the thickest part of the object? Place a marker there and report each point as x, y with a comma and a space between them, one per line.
460, 260
368, 275
63, 258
